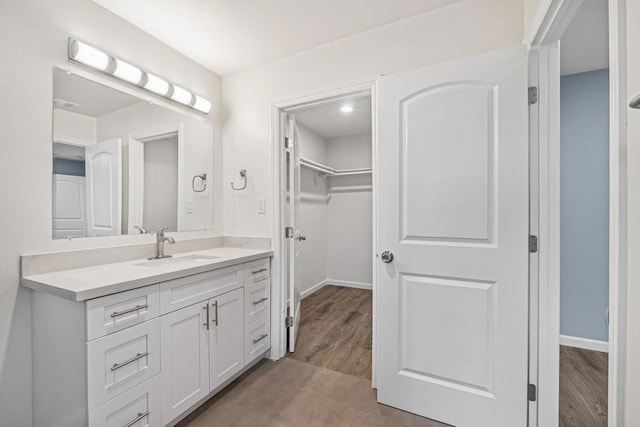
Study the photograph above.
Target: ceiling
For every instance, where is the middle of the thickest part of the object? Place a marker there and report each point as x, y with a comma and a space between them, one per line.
93, 99
229, 35
329, 122
585, 44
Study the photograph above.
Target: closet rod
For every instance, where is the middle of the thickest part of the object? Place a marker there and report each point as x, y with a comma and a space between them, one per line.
317, 166
331, 171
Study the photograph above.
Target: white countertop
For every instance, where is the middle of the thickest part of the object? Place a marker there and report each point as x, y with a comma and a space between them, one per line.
93, 282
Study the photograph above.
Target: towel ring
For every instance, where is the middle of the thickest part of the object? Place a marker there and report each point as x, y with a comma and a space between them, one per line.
203, 179
243, 174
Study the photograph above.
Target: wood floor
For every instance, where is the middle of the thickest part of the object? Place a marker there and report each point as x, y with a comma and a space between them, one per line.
583, 387
335, 330
290, 393
326, 382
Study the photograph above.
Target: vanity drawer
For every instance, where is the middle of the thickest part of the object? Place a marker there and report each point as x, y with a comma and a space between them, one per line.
118, 362
115, 312
257, 336
257, 300
256, 271
139, 407
180, 293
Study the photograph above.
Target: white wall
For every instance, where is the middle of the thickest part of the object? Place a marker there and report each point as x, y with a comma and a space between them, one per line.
198, 155
312, 145
73, 128
161, 184
462, 29
350, 214
534, 11
633, 218
313, 211
33, 37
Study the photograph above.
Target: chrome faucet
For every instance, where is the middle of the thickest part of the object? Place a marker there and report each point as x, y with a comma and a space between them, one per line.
140, 229
160, 239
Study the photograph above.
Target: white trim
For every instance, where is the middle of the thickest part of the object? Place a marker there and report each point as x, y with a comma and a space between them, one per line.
348, 284
585, 343
279, 303
534, 229
552, 21
157, 132
548, 286
545, 35
617, 211
313, 289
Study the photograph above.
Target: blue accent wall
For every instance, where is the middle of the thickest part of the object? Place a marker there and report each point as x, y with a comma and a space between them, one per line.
68, 167
584, 237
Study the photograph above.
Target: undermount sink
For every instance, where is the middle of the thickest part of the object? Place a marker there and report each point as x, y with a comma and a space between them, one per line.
176, 260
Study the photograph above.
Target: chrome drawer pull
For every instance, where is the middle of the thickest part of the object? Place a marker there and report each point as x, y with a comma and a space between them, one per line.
206, 323
130, 310
117, 366
215, 305
138, 418
259, 271
257, 340
260, 300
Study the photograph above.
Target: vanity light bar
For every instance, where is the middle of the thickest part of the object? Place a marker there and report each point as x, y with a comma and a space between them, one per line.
90, 56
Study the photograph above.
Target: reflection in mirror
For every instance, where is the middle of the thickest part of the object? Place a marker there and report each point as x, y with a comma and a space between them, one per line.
122, 165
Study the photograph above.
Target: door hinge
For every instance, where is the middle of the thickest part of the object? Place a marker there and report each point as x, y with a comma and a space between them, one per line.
533, 95
532, 393
288, 232
533, 244
288, 322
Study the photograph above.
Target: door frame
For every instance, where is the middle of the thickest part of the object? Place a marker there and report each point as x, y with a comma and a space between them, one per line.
544, 44
278, 264
149, 135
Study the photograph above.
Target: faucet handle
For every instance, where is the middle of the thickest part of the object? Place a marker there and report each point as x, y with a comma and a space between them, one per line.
140, 229
161, 232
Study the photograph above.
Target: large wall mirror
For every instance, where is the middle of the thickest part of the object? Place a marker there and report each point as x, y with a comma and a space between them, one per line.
123, 165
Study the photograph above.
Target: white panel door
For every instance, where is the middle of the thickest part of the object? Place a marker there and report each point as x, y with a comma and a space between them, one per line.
294, 224
453, 211
185, 359
135, 184
226, 344
103, 163
68, 206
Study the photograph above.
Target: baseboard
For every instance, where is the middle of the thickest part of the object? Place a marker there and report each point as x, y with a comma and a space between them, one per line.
584, 343
313, 289
347, 284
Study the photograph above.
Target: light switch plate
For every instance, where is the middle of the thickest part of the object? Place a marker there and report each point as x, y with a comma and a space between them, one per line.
262, 205
189, 206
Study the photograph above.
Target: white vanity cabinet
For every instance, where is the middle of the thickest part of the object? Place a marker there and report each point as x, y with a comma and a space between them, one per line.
202, 347
149, 355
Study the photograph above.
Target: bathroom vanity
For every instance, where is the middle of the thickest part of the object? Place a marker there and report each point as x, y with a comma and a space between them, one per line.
143, 343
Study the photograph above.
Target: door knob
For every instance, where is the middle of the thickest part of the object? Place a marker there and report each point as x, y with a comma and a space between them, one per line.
302, 237
386, 257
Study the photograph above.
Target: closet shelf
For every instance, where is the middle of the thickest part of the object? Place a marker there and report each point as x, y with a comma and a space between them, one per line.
329, 171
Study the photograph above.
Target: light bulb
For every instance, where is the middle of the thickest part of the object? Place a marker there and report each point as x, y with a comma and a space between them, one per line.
346, 109
127, 72
156, 84
181, 95
202, 104
88, 55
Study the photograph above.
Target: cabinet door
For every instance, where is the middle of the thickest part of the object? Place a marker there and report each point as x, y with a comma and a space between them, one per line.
226, 349
185, 359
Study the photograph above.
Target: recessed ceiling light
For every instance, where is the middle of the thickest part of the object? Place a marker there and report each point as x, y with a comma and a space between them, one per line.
346, 109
